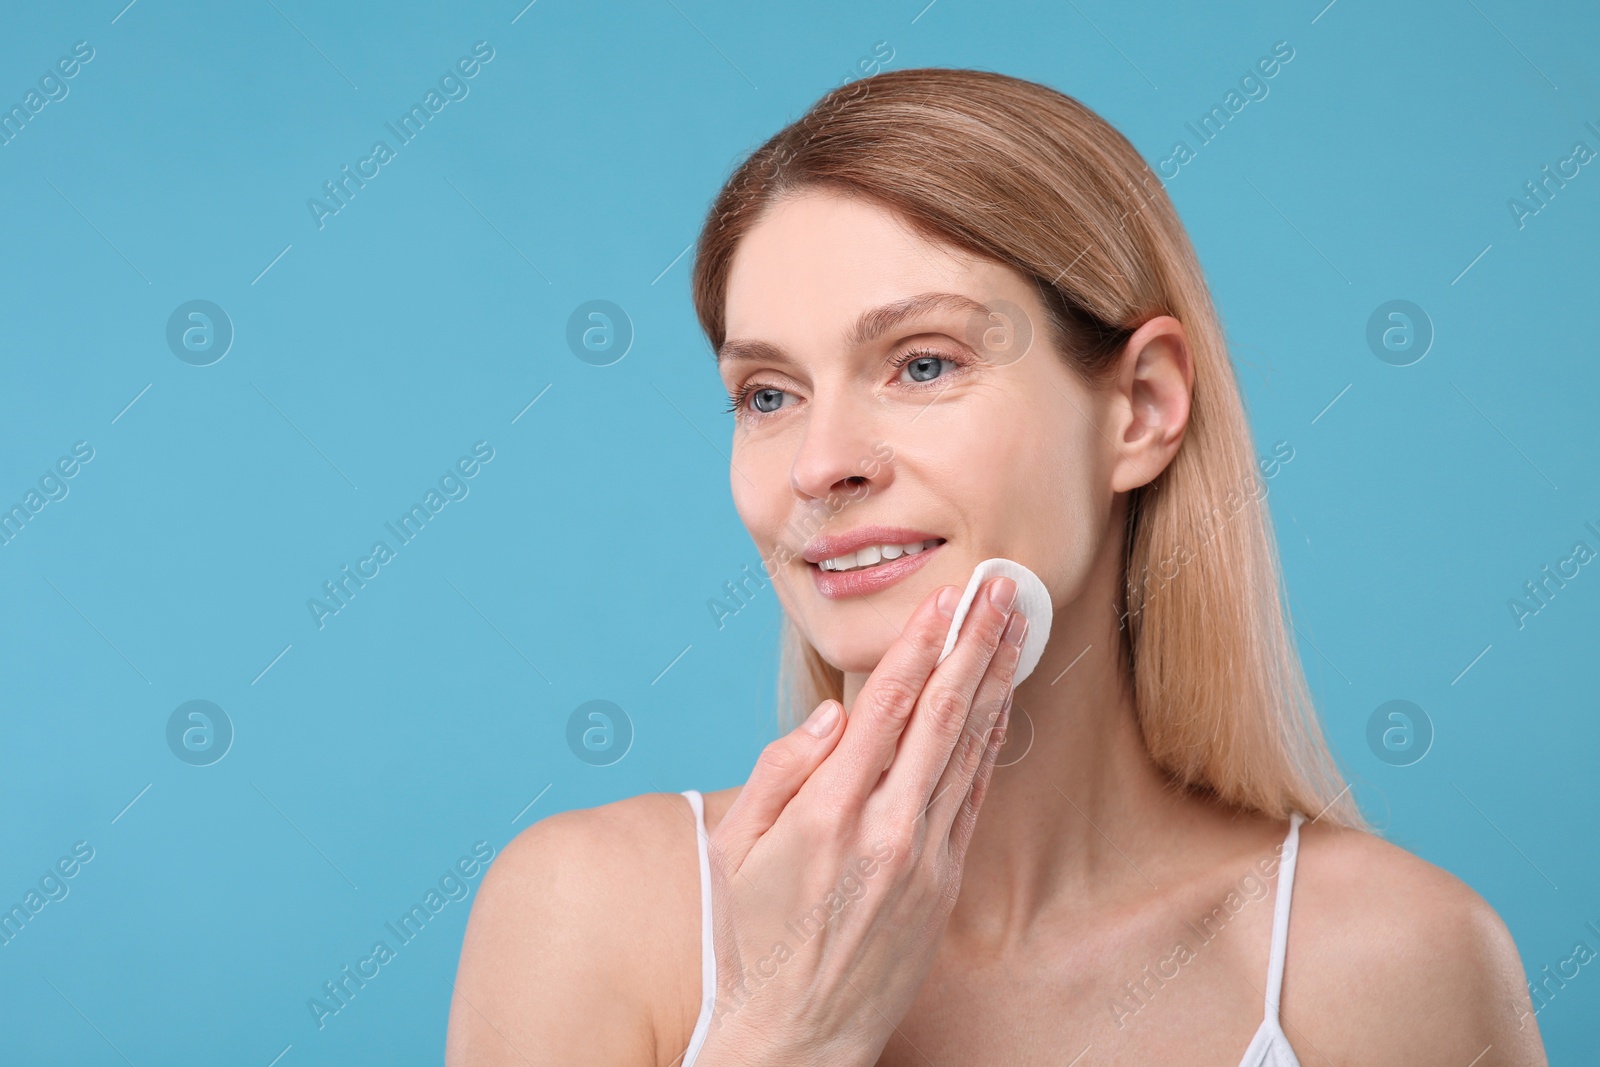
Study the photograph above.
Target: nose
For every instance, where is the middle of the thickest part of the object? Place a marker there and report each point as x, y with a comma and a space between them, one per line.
836, 453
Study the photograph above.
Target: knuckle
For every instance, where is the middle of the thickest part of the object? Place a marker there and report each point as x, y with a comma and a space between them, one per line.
821, 817
994, 626
929, 640
779, 758
975, 795
986, 712
974, 742
892, 699
948, 709
896, 850
812, 827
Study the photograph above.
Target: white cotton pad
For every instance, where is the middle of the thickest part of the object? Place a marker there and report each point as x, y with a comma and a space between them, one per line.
1033, 601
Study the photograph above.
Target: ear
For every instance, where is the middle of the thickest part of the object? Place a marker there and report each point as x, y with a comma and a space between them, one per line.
1150, 402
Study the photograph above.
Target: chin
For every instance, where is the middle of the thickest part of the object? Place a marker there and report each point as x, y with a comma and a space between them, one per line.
856, 650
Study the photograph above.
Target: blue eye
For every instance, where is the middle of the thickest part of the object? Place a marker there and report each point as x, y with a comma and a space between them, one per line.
923, 364
762, 395
772, 396
754, 401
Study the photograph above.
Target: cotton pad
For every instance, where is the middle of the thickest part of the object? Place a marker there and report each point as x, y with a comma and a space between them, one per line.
1033, 601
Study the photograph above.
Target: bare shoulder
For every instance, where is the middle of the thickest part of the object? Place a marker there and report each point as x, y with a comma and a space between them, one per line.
1393, 960
577, 941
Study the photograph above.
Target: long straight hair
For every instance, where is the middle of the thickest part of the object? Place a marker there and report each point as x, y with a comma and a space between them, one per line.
1026, 176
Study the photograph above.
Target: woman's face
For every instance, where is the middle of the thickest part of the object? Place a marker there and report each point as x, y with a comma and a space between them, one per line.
980, 438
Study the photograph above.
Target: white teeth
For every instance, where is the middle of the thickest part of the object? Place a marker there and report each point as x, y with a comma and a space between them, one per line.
875, 554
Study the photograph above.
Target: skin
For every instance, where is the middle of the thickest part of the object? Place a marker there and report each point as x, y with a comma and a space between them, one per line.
1086, 865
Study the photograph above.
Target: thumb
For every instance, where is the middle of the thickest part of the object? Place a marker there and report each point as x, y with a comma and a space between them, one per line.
782, 769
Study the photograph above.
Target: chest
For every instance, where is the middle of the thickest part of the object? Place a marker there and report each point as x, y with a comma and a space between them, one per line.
1095, 1002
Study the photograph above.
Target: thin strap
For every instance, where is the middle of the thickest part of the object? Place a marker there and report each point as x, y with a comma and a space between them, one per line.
708, 956
1280, 917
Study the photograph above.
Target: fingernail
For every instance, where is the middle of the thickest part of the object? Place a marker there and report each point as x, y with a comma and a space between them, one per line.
1016, 628
949, 597
1003, 593
821, 721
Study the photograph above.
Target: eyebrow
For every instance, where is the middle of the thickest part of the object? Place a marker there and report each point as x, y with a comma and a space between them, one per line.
871, 325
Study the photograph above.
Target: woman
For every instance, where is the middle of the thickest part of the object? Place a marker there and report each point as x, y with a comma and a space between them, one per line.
958, 318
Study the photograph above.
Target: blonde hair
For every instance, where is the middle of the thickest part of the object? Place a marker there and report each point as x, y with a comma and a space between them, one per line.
1021, 174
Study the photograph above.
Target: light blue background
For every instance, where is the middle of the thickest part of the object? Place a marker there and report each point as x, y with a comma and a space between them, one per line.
432, 310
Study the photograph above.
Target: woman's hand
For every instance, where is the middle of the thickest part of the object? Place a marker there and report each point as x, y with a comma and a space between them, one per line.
835, 870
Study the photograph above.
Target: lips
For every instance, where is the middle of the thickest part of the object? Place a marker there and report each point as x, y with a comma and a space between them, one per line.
859, 582
827, 547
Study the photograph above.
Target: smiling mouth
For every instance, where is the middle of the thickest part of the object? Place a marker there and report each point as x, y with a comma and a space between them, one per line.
876, 555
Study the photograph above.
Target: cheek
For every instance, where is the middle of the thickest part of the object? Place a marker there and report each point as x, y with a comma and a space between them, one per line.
759, 480
991, 468
760, 504
1033, 487
1069, 508
977, 477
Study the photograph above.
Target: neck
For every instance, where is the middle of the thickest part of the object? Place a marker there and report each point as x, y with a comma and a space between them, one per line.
1077, 815
1065, 827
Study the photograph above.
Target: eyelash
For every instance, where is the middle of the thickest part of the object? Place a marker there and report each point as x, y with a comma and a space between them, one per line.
737, 400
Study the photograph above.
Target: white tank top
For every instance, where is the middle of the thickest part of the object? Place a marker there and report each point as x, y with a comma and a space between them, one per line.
1269, 1048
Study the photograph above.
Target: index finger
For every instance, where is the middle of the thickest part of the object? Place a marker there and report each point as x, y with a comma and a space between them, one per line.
884, 705
949, 707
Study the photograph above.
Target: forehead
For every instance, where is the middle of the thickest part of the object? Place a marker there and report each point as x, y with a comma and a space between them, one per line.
815, 262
